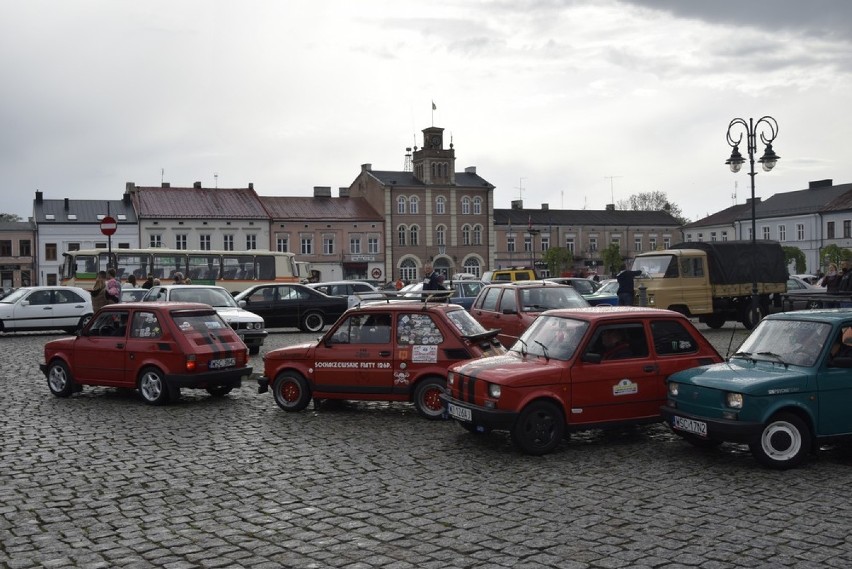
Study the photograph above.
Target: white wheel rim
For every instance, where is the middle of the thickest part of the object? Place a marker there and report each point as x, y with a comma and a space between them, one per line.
57, 379
151, 386
786, 429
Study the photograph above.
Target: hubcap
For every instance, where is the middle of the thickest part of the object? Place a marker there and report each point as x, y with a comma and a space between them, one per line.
151, 386
57, 379
781, 441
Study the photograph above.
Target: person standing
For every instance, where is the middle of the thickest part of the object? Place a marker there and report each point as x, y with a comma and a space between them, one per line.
625, 285
149, 282
98, 291
113, 287
432, 280
131, 282
399, 283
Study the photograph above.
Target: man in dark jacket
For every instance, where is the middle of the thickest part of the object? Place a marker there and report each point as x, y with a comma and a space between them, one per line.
625, 285
432, 280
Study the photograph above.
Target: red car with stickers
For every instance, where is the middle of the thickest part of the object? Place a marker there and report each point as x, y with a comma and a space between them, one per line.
155, 347
576, 369
383, 351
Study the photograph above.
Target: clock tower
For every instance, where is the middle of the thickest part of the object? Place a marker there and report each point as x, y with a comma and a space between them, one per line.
434, 164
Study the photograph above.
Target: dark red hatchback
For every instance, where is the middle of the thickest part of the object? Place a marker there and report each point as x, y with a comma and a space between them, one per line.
155, 347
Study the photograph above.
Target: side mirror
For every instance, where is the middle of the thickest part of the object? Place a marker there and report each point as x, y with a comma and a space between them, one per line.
592, 358
242, 303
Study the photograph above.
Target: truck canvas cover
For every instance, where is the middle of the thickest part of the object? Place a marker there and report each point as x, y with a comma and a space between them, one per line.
736, 262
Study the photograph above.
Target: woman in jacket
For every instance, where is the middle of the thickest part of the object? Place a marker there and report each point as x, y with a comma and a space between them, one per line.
98, 291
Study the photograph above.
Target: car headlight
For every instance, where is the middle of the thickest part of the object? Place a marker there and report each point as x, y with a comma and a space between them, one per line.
451, 379
673, 388
494, 391
734, 400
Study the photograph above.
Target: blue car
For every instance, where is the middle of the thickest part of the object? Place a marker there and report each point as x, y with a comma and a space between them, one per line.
588, 290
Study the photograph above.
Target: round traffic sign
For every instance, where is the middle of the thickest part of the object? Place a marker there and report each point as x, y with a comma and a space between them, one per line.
377, 273
108, 225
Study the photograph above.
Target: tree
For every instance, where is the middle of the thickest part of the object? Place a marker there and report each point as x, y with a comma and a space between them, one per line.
652, 201
835, 254
558, 259
794, 254
10, 217
612, 259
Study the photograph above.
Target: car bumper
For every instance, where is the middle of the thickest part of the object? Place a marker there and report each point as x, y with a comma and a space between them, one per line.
479, 416
252, 337
224, 378
716, 429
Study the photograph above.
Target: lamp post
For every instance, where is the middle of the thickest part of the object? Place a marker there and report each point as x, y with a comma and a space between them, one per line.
767, 127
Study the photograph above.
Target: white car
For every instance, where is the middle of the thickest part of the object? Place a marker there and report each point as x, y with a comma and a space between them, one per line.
354, 291
45, 308
249, 326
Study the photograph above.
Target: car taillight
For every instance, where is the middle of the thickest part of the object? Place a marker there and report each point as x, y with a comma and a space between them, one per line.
242, 358
190, 363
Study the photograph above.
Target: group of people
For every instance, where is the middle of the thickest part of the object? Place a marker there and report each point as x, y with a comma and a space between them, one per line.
107, 287
836, 281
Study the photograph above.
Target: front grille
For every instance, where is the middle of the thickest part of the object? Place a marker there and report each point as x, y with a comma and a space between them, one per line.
465, 388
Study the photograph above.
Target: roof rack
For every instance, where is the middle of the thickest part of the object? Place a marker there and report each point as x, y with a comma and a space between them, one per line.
388, 296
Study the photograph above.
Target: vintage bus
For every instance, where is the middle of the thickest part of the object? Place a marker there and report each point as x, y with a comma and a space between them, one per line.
234, 270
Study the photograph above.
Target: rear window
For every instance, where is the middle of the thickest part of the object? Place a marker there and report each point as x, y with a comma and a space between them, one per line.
465, 323
202, 324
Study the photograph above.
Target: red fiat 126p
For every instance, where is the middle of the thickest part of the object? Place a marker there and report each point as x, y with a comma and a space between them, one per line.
576, 369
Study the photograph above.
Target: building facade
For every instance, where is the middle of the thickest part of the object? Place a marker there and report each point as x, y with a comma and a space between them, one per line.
17, 254
524, 235
342, 238
432, 214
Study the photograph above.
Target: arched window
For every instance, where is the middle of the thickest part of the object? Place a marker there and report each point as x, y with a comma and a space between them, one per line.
414, 233
465, 234
477, 235
400, 204
434, 170
401, 231
465, 205
477, 206
472, 266
440, 205
445, 168
413, 204
441, 235
408, 270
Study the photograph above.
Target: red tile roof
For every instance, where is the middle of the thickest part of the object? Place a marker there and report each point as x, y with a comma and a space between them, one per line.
314, 208
214, 203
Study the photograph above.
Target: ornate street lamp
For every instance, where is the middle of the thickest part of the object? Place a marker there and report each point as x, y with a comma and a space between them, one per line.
767, 127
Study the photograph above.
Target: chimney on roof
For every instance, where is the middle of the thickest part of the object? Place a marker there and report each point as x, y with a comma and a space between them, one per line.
322, 191
545, 207
517, 204
820, 184
126, 198
196, 185
610, 207
366, 167
39, 196
756, 201
165, 185
343, 192
251, 185
66, 204
470, 170
129, 186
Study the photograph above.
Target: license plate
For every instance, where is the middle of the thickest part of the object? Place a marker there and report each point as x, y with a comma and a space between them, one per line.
690, 426
460, 413
224, 362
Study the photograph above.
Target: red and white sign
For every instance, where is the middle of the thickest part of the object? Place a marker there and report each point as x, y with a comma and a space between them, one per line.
108, 225
377, 273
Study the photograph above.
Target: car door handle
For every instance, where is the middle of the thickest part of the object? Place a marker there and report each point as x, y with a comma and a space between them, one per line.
120, 345
385, 354
48, 308
649, 368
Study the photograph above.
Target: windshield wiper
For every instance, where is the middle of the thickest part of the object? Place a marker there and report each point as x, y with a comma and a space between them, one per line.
544, 348
772, 355
523, 347
746, 355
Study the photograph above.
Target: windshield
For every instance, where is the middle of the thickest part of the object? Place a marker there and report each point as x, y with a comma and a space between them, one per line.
552, 337
539, 299
796, 342
215, 297
656, 266
13, 296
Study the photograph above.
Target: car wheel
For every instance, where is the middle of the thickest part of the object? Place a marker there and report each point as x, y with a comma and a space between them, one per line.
312, 322
254, 350
812, 304
784, 442
291, 391
59, 379
152, 386
427, 398
539, 428
219, 390
83, 321
751, 317
715, 321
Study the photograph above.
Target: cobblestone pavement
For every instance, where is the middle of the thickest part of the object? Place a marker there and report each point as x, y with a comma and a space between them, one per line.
102, 480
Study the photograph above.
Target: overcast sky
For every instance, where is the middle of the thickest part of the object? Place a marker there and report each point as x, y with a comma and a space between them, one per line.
571, 103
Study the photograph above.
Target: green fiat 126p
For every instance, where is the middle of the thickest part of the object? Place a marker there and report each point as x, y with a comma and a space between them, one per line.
786, 389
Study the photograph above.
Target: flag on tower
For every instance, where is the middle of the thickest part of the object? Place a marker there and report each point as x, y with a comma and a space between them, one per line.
434, 108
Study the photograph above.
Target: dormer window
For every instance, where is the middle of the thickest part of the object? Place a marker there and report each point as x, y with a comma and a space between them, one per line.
72, 217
